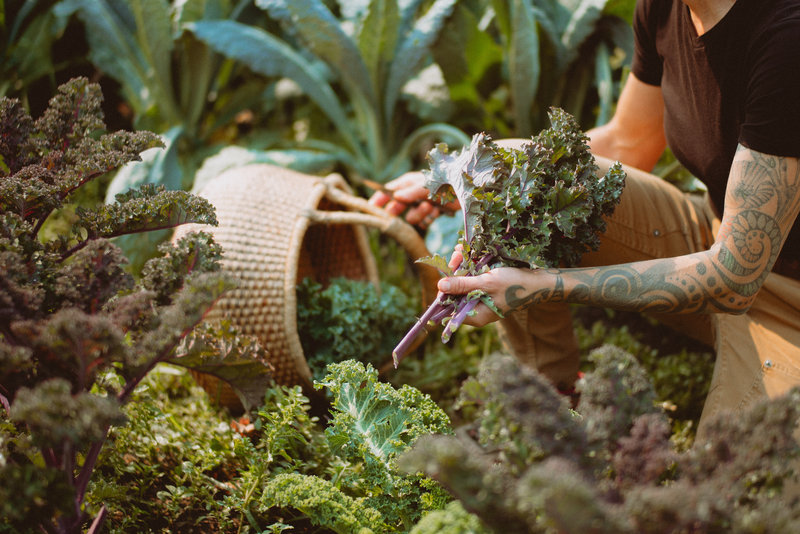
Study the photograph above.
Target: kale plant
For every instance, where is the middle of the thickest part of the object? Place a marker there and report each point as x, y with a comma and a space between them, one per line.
371, 424
69, 312
350, 319
541, 206
529, 464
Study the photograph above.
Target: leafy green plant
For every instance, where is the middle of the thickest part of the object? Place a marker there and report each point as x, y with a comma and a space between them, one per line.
68, 311
221, 351
350, 319
353, 68
169, 464
506, 62
371, 424
540, 206
530, 464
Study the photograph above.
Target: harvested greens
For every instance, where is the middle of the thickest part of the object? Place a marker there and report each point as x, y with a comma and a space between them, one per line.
540, 206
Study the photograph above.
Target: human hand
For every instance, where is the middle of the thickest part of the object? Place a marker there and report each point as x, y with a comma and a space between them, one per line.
408, 194
500, 284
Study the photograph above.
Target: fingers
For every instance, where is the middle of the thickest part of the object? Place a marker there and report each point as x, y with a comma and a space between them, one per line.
456, 258
422, 215
460, 285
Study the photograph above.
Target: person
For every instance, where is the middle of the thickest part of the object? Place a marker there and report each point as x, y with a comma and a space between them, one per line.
718, 81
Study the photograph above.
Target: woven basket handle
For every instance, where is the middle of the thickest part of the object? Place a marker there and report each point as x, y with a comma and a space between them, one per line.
392, 226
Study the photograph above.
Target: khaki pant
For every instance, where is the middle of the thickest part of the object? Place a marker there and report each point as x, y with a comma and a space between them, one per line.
758, 354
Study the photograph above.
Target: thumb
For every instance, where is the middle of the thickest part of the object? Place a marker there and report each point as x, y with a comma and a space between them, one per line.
458, 285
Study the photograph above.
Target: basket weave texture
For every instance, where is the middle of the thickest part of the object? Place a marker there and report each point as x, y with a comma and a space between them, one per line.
278, 226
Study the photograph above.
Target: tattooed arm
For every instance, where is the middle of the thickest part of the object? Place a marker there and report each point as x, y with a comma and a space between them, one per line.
761, 203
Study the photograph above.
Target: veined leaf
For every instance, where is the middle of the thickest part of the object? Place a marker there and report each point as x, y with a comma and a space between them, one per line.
195, 10
464, 52
377, 38
523, 62
439, 263
373, 421
413, 50
270, 56
408, 10
154, 37
223, 352
353, 10
113, 48
26, 52
322, 33
464, 171
604, 83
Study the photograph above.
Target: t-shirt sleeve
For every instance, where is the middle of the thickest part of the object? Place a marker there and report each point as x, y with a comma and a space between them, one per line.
772, 104
646, 65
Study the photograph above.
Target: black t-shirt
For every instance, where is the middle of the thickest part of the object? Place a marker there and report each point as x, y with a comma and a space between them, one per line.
737, 83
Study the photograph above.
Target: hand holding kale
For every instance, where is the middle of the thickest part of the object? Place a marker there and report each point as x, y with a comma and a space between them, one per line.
541, 206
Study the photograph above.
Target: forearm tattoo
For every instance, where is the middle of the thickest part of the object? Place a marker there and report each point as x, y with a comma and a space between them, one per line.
723, 279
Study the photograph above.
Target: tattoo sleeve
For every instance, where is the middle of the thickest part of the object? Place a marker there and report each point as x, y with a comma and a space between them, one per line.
762, 202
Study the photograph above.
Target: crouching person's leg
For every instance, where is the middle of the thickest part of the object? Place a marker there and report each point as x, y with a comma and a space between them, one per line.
542, 337
758, 353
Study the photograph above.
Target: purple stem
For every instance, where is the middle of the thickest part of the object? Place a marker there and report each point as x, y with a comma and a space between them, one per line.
98, 521
442, 313
458, 318
417, 330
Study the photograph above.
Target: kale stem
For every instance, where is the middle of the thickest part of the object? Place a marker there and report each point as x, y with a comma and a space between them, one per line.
417, 330
463, 310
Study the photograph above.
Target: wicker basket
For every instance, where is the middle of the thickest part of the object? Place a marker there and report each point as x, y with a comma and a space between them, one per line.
278, 226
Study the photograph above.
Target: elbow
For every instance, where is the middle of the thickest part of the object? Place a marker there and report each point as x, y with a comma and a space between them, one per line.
735, 303
740, 310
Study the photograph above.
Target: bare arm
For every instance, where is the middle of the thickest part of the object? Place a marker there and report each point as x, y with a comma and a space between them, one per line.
762, 202
635, 134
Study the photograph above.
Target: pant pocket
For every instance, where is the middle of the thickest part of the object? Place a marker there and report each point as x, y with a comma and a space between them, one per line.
774, 379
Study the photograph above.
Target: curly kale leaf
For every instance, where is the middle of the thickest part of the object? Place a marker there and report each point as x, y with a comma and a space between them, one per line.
43, 161
452, 520
194, 253
221, 351
148, 208
350, 319
323, 503
49, 411
539, 206
466, 172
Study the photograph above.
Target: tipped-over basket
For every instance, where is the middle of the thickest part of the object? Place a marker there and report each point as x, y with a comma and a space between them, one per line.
278, 226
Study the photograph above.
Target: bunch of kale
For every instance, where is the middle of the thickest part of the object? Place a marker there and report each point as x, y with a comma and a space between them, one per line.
541, 206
